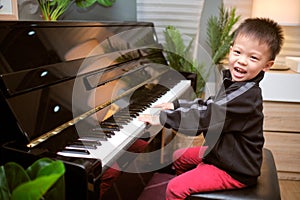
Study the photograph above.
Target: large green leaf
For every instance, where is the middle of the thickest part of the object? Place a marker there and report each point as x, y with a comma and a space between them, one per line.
106, 3
37, 167
15, 175
43, 178
35, 189
84, 3
179, 56
220, 33
11, 176
4, 189
88, 3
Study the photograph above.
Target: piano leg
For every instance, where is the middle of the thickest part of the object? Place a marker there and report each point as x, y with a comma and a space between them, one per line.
111, 174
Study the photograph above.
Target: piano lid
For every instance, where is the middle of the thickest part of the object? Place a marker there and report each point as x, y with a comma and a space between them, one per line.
26, 44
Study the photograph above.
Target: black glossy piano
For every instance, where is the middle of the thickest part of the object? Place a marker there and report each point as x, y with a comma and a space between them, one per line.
73, 90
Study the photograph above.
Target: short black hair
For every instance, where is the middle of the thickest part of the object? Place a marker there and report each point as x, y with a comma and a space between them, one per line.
265, 30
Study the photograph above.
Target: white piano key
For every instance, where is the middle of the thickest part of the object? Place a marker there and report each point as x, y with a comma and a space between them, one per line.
111, 149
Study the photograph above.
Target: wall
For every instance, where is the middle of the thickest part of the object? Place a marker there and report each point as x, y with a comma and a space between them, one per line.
185, 15
291, 46
122, 10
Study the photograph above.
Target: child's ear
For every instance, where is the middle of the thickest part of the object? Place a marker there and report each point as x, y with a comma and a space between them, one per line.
268, 65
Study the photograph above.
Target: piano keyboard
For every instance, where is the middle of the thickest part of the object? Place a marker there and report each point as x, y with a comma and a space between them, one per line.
116, 134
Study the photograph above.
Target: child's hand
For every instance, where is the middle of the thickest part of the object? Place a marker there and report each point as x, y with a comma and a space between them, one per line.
165, 106
151, 119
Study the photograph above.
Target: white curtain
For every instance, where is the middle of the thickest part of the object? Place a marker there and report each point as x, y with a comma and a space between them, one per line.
184, 15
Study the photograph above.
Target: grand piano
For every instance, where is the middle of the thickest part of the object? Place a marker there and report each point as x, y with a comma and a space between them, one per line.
72, 91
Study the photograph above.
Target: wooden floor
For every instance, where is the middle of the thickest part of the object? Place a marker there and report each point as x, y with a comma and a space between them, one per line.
290, 190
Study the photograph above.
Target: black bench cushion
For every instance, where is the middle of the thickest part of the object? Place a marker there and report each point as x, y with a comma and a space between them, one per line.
266, 188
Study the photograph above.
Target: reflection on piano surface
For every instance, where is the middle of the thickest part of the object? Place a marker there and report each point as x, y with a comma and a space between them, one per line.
73, 90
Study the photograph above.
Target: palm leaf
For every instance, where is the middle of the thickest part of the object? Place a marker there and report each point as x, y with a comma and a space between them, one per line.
219, 33
179, 56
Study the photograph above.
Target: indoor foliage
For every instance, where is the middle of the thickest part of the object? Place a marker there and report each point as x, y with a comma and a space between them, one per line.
53, 9
179, 56
44, 179
220, 33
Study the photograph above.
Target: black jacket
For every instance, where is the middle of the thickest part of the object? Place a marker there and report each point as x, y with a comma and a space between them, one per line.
232, 123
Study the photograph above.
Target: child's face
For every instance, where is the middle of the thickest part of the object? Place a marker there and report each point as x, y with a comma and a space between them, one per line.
248, 57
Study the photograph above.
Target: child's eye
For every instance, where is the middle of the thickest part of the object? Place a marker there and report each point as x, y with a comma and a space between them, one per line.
236, 52
254, 58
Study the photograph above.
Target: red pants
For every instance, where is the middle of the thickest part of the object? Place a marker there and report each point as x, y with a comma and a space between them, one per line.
195, 176
112, 173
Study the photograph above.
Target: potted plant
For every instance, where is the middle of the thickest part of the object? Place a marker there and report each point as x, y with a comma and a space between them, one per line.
44, 179
220, 33
219, 38
179, 56
53, 9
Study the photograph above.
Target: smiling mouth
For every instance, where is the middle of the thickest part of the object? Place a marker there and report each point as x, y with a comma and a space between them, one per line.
240, 70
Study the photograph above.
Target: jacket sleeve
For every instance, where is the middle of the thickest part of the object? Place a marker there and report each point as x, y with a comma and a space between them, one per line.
215, 113
190, 118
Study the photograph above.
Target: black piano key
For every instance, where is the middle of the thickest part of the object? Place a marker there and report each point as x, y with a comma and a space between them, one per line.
121, 117
108, 135
106, 128
81, 146
87, 138
135, 111
110, 124
121, 120
112, 127
101, 131
76, 151
85, 141
133, 114
96, 136
116, 120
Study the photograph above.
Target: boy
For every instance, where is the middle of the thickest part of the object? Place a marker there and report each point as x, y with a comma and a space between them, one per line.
231, 121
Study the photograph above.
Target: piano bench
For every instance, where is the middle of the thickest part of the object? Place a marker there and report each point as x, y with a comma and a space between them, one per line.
266, 188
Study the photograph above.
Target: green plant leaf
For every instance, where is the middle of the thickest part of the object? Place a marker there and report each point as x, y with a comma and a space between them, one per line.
88, 3
179, 56
45, 174
4, 188
43, 177
15, 175
34, 189
84, 3
11, 176
220, 34
36, 168
106, 3
52, 10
